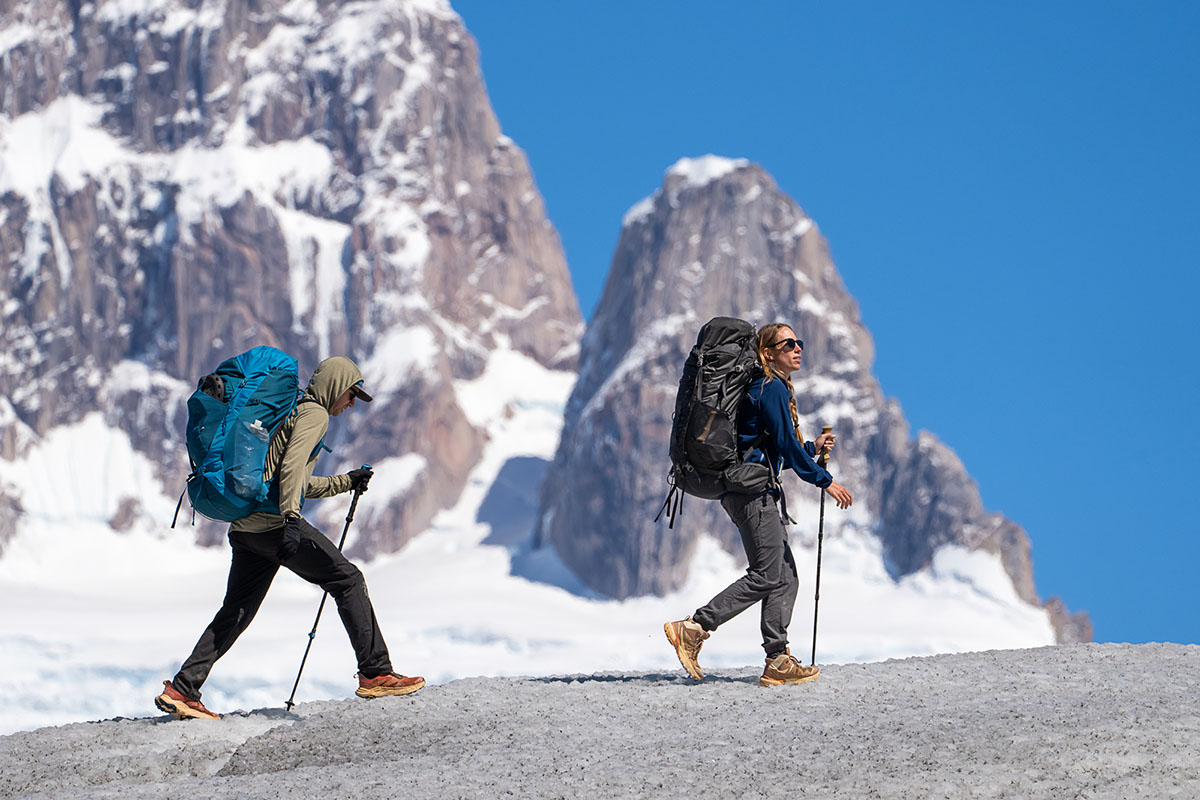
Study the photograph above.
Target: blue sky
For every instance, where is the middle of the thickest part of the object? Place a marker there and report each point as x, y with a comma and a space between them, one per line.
1009, 190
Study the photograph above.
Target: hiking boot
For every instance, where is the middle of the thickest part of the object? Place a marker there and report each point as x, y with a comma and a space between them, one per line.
687, 636
784, 669
387, 685
177, 705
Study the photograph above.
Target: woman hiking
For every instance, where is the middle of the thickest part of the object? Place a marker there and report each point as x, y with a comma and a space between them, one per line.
768, 432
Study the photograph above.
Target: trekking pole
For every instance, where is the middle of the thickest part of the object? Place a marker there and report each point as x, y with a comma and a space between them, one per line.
313, 633
822, 459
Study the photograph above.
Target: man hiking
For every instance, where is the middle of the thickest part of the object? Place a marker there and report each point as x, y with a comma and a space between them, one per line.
768, 432
262, 542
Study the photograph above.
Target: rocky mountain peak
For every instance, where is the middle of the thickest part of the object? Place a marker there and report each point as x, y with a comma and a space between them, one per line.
182, 181
719, 238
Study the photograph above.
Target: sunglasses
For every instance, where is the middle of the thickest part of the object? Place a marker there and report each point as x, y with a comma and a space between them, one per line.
788, 345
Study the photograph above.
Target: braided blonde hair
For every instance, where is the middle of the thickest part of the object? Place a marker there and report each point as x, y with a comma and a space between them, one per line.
766, 336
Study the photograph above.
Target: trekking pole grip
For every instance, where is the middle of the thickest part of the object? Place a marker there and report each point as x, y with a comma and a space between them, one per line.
354, 502
823, 458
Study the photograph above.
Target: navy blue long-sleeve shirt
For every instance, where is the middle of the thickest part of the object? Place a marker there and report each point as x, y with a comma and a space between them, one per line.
766, 408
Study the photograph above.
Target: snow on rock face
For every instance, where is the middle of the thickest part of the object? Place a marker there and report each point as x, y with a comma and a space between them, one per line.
180, 183
696, 172
638, 211
690, 173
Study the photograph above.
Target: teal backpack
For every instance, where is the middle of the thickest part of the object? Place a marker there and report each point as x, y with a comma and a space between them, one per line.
232, 416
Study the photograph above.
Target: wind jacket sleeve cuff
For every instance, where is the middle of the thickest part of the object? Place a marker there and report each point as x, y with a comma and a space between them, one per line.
322, 486
824, 478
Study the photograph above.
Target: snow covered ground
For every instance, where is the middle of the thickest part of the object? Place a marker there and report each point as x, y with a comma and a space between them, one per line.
95, 620
1077, 721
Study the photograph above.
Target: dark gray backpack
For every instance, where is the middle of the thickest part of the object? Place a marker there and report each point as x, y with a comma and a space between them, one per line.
705, 459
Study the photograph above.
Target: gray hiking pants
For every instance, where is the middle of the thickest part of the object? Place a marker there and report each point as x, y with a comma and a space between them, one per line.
770, 576
251, 571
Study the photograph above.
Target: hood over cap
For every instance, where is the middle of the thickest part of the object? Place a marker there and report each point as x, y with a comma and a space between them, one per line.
331, 378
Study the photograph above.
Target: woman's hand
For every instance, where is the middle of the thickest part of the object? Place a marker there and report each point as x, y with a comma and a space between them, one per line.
840, 495
824, 443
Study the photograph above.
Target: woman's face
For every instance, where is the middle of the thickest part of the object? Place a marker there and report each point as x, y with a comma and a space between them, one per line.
784, 351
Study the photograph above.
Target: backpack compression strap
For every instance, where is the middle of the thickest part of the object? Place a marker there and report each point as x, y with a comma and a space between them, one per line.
673, 501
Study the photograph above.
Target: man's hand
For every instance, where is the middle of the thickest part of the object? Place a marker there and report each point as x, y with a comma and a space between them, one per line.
291, 539
839, 495
359, 478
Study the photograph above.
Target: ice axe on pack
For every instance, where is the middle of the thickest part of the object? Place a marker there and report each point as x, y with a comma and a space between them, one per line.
822, 459
313, 633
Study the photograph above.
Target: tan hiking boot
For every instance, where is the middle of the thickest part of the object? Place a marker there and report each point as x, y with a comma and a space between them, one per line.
388, 685
177, 705
687, 636
785, 669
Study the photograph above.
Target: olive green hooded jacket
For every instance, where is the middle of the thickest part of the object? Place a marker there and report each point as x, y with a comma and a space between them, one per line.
291, 453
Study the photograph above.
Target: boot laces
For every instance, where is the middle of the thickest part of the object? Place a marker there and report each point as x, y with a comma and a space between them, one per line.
796, 664
692, 643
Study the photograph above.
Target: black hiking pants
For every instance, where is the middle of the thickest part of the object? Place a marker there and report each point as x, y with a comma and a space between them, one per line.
770, 576
251, 571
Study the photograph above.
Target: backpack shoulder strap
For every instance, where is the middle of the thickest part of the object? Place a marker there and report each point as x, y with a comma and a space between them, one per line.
321, 444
